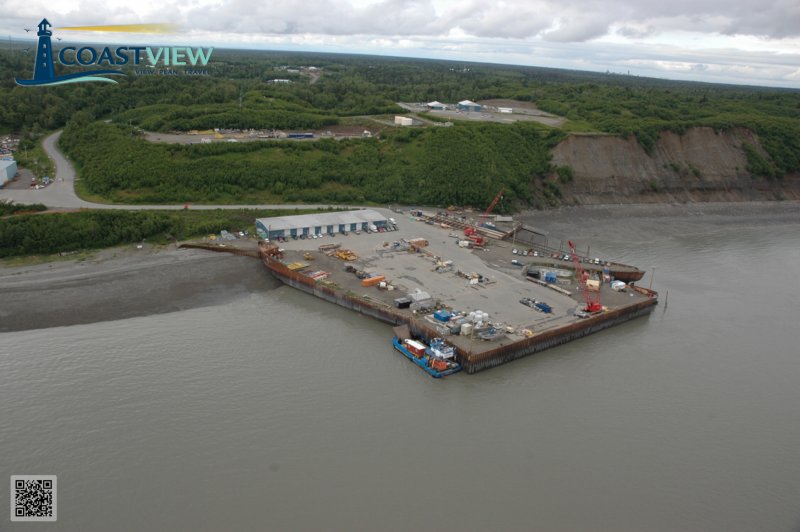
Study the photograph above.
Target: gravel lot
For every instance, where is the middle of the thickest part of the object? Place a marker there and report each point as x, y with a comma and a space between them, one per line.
410, 271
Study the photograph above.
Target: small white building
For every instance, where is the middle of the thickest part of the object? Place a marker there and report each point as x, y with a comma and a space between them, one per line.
505, 110
436, 106
403, 121
8, 169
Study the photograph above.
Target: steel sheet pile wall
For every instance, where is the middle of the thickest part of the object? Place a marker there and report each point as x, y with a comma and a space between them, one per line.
472, 362
488, 359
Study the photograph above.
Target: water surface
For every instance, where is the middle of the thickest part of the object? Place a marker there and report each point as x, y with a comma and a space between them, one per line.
277, 411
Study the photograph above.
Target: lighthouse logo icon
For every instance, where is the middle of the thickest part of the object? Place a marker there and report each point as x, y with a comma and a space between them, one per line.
44, 73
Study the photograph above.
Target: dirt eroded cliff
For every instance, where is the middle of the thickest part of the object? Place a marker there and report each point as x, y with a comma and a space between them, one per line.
700, 165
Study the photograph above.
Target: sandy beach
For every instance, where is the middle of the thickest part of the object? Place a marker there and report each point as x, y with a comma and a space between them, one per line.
121, 283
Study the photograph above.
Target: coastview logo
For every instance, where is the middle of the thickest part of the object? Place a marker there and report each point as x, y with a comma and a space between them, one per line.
44, 66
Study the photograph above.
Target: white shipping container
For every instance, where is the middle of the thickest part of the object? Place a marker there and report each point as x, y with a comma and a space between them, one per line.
415, 344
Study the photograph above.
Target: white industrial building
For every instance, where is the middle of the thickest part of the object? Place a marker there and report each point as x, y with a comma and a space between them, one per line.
436, 106
328, 223
8, 169
403, 121
469, 105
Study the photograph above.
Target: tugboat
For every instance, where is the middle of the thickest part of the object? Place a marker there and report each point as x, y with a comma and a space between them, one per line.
437, 360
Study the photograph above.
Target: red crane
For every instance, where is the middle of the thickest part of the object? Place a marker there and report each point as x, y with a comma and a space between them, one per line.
473, 230
592, 302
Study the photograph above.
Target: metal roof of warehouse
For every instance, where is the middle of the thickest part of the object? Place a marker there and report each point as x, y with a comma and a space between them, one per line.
277, 223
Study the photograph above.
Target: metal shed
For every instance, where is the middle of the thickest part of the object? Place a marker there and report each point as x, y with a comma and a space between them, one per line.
8, 169
469, 105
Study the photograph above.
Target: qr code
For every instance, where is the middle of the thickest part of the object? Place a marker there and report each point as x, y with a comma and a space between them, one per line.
33, 497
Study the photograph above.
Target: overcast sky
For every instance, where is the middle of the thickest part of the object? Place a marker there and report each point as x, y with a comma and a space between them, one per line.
731, 41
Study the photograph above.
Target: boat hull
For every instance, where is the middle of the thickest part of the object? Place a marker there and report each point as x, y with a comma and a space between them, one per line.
421, 361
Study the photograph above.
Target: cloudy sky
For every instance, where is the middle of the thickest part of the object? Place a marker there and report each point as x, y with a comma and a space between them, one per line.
731, 41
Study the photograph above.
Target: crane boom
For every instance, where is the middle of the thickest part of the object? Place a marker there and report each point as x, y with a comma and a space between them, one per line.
592, 303
472, 231
491, 206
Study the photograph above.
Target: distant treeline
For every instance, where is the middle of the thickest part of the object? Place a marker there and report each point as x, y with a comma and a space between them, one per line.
166, 117
463, 165
58, 232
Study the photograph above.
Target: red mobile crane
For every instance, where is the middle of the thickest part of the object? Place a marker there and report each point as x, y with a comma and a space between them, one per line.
592, 302
472, 231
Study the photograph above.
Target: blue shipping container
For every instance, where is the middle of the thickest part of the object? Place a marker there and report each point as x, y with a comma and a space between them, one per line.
442, 315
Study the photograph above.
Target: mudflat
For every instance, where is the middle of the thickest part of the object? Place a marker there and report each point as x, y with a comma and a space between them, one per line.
122, 283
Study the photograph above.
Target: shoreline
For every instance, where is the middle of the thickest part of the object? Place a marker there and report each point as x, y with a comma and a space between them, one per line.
123, 282
777, 208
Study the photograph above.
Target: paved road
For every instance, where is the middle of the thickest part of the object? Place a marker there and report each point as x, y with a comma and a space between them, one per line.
61, 193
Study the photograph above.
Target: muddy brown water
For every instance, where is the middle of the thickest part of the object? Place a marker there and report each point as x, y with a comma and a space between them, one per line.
277, 411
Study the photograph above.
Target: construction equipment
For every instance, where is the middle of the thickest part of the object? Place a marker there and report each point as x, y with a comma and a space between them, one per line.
345, 254
472, 231
592, 301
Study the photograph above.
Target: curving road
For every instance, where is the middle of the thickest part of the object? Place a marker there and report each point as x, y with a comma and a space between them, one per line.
61, 193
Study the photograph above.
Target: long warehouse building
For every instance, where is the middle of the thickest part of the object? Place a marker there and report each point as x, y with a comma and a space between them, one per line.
321, 223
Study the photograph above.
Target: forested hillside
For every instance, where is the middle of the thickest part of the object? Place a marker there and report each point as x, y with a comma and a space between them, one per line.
462, 165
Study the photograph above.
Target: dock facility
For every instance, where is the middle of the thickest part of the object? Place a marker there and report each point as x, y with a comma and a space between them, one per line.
482, 295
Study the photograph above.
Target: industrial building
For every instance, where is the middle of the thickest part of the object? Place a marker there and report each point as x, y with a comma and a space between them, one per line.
468, 105
436, 106
320, 224
403, 121
8, 169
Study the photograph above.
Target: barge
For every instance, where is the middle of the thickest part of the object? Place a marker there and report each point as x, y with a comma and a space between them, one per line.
532, 240
437, 359
471, 355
